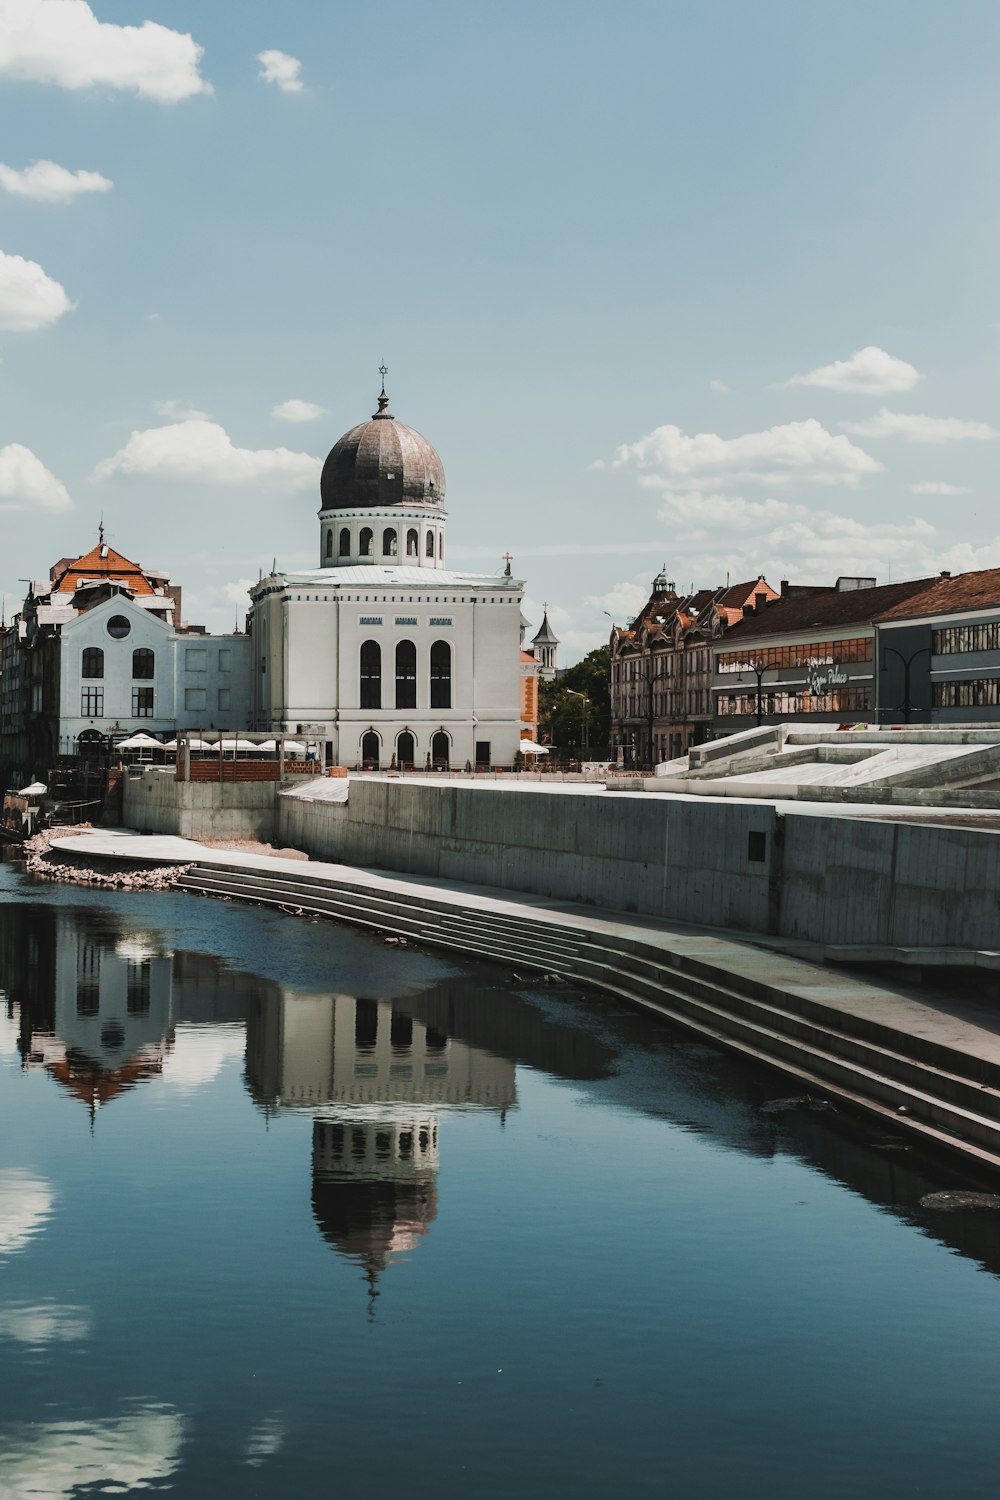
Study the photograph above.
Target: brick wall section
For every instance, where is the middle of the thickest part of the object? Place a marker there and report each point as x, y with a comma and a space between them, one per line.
246, 770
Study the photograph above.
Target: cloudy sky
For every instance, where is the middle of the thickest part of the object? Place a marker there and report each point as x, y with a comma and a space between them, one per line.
689, 282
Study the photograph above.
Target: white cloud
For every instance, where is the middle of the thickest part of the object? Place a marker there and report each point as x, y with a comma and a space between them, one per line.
63, 42
29, 299
916, 428
48, 183
938, 487
26, 484
720, 387
180, 411
281, 69
25, 1206
238, 592
44, 1322
153, 317
199, 1054
797, 452
870, 371
203, 452
622, 601
51, 1460
298, 411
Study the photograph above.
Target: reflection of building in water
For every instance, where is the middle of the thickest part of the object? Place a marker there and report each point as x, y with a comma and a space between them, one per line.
376, 1078
98, 1006
307, 1050
108, 1021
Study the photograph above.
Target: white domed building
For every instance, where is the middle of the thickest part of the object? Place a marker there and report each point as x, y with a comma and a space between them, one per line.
380, 654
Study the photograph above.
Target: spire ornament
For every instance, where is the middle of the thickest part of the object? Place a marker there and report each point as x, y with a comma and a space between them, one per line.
383, 399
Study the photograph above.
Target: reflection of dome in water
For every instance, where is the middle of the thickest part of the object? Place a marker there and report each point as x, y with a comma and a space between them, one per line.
374, 1192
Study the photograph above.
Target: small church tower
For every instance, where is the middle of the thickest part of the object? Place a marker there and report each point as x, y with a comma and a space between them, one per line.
544, 646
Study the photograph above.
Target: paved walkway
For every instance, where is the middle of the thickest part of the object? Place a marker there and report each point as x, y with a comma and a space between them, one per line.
964, 1022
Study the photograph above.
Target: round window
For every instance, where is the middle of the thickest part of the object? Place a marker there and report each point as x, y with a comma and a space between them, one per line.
118, 627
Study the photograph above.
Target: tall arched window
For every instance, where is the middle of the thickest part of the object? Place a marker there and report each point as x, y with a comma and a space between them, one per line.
371, 674
440, 674
440, 751
412, 543
329, 543
390, 545
93, 662
406, 749
406, 675
441, 546
365, 542
370, 750
142, 663
345, 541
429, 545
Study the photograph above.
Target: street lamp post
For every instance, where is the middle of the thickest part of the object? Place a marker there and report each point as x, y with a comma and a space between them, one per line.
758, 667
906, 707
584, 711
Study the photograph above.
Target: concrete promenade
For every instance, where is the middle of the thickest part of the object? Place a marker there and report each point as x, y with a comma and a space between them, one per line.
929, 1065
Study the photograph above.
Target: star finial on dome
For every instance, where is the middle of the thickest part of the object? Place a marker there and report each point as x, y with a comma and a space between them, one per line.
383, 400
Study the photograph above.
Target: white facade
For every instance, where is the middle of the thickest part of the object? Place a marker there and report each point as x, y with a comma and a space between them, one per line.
122, 668
308, 632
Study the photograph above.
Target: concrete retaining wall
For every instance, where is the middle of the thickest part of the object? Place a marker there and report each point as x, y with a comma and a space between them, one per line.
690, 861
156, 802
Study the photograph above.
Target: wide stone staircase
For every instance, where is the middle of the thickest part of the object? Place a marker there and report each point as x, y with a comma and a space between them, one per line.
943, 1094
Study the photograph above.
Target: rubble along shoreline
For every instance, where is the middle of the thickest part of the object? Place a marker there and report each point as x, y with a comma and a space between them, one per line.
76, 869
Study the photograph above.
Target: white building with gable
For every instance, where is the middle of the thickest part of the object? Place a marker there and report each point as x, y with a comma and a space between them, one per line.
381, 653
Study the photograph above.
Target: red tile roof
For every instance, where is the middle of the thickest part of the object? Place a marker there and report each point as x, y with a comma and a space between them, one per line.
102, 562
979, 590
826, 608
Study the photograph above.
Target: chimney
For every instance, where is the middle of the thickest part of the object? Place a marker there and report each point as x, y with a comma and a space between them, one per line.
784, 587
945, 573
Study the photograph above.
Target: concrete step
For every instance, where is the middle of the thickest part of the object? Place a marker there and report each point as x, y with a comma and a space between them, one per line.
947, 1072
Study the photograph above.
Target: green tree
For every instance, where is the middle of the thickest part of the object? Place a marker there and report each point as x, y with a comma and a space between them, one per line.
561, 714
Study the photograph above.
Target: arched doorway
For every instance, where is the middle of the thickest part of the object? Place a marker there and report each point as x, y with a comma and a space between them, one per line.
440, 751
406, 750
370, 751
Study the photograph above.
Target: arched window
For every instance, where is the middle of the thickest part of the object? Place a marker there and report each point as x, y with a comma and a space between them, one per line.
440, 751
365, 542
370, 749
406, 675
345, 541
441, 546
440, 675
429, 545
371, 674
412, 543
390, 546
93, 661
406, 749
142, 663
329, 543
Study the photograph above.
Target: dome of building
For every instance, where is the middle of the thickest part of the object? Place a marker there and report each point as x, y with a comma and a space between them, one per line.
381, 462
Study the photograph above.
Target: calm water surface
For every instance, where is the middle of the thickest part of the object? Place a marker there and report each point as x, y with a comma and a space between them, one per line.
288, 1212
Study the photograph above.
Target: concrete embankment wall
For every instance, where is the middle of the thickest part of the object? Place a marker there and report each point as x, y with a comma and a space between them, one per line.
640, 854
832, 880
156, 802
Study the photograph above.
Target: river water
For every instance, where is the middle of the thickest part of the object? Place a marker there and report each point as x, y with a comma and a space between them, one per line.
286, 1211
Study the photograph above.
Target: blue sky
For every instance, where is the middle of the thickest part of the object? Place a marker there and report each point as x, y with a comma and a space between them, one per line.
595, 244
